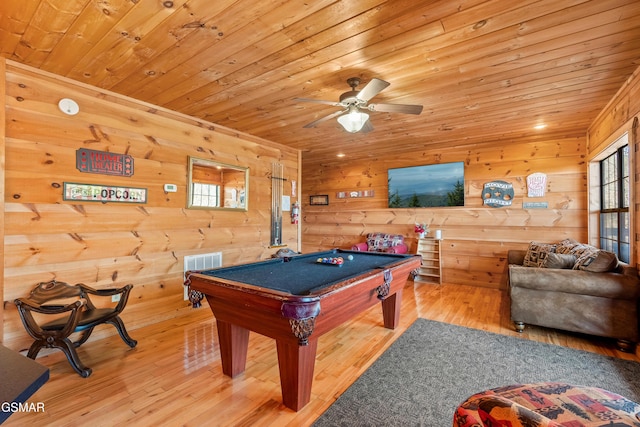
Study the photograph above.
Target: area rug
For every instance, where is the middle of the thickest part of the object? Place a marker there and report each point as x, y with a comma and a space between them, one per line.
433, 367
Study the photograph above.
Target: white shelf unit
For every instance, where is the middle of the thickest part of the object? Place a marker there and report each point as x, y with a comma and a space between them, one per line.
431, 269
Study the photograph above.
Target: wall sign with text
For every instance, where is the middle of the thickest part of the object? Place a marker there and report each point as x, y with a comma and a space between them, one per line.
103, 193
497, 194
104, 162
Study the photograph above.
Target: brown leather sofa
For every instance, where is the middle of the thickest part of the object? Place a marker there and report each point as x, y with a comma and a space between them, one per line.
595, 303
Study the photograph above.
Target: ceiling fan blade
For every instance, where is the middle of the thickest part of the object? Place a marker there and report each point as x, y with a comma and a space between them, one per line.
396, 108
374, 87
318, 101
324, 119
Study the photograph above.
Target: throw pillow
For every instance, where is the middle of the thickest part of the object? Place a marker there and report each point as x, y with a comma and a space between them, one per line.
537, 253
555, 260
600, 262
581, 249
565, 246
378, 242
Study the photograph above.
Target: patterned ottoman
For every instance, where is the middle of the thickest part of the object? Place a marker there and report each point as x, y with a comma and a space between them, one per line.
547, 405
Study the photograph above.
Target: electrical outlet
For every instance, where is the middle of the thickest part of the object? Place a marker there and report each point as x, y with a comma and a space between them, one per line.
115, 298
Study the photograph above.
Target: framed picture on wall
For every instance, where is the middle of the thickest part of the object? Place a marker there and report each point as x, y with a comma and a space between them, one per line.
320, 199
427, 186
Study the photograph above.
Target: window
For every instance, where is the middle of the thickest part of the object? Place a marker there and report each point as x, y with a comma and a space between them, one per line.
614, 203
205, 195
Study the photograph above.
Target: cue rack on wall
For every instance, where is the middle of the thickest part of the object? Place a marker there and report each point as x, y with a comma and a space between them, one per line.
277, 190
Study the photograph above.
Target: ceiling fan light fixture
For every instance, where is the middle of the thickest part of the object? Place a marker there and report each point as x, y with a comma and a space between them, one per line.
354, 121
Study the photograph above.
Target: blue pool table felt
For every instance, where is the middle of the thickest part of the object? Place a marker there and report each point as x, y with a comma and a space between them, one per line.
302, 274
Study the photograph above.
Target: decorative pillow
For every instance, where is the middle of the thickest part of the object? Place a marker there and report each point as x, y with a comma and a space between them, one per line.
378, 242
565, 246
555, 260
537, 253
582, 249
599, 262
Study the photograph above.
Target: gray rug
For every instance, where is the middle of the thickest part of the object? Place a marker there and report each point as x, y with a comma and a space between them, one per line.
433, 367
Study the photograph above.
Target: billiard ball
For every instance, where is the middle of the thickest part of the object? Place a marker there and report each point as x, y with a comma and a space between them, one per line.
350, 257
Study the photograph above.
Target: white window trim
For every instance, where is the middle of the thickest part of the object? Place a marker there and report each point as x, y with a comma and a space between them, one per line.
621, 137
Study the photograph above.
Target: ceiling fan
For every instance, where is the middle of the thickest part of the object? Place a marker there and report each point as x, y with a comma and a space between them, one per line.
354, 102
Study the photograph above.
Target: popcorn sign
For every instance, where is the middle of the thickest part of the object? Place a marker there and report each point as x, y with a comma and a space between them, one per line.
103, 193
536, 184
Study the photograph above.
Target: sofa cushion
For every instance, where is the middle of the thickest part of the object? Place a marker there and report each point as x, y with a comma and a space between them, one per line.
537, 253
554, 260
557, 281
598, 262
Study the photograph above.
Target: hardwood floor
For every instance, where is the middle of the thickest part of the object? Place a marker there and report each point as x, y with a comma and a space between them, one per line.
174, 377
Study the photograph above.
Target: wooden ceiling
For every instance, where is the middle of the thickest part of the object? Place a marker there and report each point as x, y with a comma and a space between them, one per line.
485, 70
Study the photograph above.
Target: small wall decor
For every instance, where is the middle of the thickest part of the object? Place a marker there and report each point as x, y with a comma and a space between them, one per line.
497, 194
103, 193
535, 205
104, 162
320, 199
536, 184
355, 194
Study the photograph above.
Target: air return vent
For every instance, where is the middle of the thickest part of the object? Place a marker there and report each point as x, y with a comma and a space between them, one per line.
201, 262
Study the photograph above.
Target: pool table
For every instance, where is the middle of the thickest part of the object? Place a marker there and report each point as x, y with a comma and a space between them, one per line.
296, 300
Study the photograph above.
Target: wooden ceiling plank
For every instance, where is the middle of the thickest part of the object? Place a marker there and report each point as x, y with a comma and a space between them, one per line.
488, 92
485, 70
14, 20
47, 26
230, 98
473, 122
177, 56
93, 68
92, 24
292, 60
342, 49
186, 77
198, 86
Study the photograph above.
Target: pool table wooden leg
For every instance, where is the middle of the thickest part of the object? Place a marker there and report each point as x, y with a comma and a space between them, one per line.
391, 309
296, 365
234, 342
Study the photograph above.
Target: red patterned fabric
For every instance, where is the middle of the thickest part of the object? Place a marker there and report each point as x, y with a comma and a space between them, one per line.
547, 405
379, 242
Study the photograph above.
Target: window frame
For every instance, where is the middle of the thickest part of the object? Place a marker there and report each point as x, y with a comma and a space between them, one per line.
615, 194
622, 136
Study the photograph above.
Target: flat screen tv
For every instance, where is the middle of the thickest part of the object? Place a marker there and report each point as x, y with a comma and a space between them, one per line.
427, 186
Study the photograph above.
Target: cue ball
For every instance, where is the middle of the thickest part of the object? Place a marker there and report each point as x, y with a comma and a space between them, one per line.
350, 257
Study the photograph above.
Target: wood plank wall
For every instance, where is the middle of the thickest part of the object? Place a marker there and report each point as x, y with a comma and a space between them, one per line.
476, 237
106, 245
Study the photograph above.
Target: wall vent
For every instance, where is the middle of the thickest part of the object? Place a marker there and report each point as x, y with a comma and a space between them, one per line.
200, 262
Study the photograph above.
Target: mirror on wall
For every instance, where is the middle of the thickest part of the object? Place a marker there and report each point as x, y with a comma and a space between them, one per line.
214, 185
